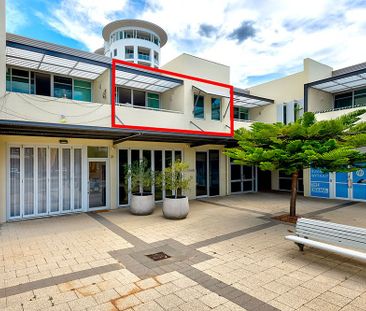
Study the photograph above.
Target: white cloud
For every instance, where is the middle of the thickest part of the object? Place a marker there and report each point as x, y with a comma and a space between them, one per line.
286, 31
320, 31
15, 19
83, 20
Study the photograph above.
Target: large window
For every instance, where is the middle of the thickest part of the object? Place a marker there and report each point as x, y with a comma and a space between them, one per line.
242, 178
360, 98
129, 52
241, 113
82, 90
62, 87
215, 108
153, 100
19, 81
285, 182
343, 100
199, 110
31, 82
138, 98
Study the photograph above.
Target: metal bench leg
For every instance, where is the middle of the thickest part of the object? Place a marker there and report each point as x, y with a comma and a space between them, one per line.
301, 246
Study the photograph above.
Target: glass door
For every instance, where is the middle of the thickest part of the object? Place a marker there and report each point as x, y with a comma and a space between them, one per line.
201, 174
97, 184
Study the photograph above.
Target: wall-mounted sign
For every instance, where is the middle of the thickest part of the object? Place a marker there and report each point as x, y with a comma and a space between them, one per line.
319, 183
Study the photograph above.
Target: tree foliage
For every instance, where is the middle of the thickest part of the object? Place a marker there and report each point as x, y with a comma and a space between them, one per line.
330, 145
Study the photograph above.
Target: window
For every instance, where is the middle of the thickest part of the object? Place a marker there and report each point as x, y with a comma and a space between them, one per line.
153, 100
360, 98
284, 114
8, 80
124, 96
129, 52
62, 87
215, 108
156, 40
343, 100
138, 98
82, 90
199, 111
285, 182
156, 57
20, 81
242, 177
143, 53
40, 84
115, 52
128, 34
121, 34
97, 152
142, 35
241, 113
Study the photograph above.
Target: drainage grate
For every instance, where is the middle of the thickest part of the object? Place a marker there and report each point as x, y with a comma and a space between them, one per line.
158, 256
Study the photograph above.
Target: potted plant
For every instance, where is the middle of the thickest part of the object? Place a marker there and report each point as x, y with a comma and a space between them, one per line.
141, 177
177, 205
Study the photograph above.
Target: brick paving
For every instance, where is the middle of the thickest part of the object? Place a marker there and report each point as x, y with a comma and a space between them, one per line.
227, 255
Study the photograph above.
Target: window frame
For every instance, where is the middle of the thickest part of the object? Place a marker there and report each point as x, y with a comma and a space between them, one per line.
212, 102
194, 106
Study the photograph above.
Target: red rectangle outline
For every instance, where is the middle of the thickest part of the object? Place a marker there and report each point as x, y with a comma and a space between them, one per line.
161, 129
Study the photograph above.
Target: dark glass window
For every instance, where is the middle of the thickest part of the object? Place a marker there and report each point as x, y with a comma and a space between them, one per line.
146, 155
360, 98
284, 110
8, 84
124, 95
343, 100
97, 152
241, 113
236, 186
138, 98
82, 90
115, 52
215, 108
199, 110
214, 171
62, 87
247, 172
235, 172
20, 81
123, 187
168, 163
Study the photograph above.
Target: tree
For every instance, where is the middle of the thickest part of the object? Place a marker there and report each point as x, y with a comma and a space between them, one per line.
140, 175
329, 145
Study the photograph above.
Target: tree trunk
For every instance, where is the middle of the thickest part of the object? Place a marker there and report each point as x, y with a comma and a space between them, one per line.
294, 178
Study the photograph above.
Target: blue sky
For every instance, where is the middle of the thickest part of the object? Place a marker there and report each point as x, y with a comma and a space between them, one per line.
259, 40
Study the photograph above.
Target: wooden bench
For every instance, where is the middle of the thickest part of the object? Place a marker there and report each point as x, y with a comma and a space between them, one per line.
341, 239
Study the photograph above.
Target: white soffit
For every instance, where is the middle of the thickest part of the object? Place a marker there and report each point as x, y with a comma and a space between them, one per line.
39, 61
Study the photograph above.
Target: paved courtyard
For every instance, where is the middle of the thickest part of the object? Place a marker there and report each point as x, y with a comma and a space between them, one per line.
227, 255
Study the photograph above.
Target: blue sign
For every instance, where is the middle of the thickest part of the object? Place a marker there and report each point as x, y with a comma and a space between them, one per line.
319, 183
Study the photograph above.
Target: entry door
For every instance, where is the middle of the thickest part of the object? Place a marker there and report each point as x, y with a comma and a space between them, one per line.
342, 182
201, 174
207, 173
97, 184
44, 180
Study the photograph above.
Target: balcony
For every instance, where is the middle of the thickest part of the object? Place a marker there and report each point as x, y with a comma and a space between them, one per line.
129, 56
337, 112
144, 57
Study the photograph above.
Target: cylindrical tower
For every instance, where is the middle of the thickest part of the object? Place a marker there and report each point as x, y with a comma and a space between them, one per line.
133, 40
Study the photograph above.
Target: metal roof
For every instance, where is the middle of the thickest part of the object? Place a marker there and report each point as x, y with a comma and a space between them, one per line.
340, 83
349, 69
211, 89
243, 99
108, 29
144, 80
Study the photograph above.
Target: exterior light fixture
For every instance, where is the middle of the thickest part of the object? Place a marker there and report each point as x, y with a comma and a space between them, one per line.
63, 141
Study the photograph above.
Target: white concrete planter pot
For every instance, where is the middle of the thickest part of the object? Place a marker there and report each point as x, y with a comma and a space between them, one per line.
176, 208
142, 204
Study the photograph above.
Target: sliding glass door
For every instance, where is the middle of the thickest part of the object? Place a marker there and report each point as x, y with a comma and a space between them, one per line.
44, 180
207, 173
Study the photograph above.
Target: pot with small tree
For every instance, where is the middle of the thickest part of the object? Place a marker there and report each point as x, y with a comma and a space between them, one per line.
141, 177
173, 179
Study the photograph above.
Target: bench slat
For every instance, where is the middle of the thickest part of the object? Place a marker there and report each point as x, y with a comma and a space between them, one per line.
303, 221
332, 232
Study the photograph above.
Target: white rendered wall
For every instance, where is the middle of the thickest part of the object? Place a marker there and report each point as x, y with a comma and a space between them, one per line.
2, 48
135, 43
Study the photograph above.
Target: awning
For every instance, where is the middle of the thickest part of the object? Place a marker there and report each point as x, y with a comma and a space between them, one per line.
242, 99
211, 89
340, 83
144, 80
41, 61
